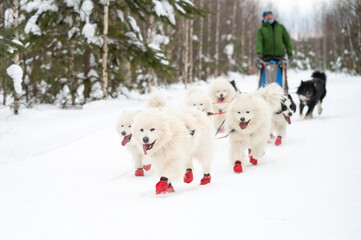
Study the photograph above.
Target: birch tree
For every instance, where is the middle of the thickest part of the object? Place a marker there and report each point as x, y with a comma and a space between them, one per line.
190, 39
217, 36
16, 57
105, 50
185, 52
200, 53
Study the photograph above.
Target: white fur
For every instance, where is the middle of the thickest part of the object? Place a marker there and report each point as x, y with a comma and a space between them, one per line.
257, 108
171, 141
221, 87
156, 100
125, 124
203, 141
172, 124
279, 125
198, 100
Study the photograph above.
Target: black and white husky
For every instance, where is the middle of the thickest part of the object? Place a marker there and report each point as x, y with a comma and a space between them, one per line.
311, 93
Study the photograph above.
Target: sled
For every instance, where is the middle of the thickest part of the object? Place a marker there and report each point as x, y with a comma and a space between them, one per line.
273, 71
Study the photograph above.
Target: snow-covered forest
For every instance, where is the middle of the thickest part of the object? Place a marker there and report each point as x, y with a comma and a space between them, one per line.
70, 68
70, 52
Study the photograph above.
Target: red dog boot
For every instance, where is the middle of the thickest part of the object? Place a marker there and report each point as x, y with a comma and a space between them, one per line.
161, 186
170, 188
206, 179
188, 176
139, 172
252, 160
237, 167
147, 167
278, 141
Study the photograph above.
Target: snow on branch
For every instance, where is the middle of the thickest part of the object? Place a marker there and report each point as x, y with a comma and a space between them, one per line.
164, 9
16, 73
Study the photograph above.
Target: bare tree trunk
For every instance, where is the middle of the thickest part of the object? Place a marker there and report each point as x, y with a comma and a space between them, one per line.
16, 56
105, 50
150, 40
168, 51
87, 83
128, 76
324, 52
33, 76
209, 39
200, 43
5, 63
243, 35
190, 50
353, 57
217, 37
234, 17
25, 83
185, 53
71, 72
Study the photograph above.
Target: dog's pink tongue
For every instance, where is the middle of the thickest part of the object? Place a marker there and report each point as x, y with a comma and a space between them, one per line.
145, 146
288, 119
243, 125
126, 139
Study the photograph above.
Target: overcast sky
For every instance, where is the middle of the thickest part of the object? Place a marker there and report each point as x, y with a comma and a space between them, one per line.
297, 16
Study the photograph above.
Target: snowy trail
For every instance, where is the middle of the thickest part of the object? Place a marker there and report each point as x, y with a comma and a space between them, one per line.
82, 186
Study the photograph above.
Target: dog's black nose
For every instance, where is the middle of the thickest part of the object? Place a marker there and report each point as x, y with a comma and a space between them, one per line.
221, 95
290, 114
123, 133
146, 139
242, 119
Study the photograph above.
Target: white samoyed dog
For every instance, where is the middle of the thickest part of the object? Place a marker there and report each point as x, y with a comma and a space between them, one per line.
248, 121
202, 143
164, 138
221, 93
198, 143
124, 129
198, 100
200, 128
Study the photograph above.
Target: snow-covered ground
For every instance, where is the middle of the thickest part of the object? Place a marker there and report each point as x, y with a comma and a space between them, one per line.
64, 175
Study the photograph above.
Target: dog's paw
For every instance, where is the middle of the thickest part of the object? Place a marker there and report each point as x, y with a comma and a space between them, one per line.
147, 167
206, 179
278, 141
139, 172
170, 188
238, 167
319, 110
161, 186
308, 117
301, 115
253, 161
188, 176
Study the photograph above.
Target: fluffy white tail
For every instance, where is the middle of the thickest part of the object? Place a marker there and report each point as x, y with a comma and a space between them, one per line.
272, 94
156, 100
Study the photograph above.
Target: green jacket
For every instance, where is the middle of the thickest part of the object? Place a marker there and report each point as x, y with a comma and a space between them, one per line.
273, 40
